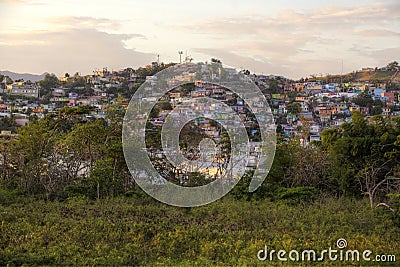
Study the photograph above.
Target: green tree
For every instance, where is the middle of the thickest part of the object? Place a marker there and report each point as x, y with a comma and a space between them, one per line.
50, 81
7, 79
364, 155
376, 110
363, 100
393, 65
293, 108
37, 158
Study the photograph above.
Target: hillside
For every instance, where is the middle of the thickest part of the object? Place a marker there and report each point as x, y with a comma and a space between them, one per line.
138, 231
25, 76
361, 76
396, 78
380, 76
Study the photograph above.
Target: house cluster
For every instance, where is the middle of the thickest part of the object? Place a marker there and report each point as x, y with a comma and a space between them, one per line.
21, 88
23, 98
305, 109
302, 109
180, 96
228, 109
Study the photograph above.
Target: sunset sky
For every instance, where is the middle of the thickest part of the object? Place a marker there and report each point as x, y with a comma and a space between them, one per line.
290, 38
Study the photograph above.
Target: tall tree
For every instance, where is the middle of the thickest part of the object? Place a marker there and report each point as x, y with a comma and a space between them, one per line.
49, 81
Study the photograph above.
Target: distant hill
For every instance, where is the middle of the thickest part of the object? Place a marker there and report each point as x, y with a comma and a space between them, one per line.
396, 78
379, 75
26, 76
363, 76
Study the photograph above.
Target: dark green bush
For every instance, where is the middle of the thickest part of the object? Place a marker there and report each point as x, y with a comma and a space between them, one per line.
297, 195
8, 197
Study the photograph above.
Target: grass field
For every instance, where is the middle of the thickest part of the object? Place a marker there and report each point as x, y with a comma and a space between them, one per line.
128, 231
380, 76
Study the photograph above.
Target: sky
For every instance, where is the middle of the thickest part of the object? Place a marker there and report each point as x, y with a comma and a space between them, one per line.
290, 38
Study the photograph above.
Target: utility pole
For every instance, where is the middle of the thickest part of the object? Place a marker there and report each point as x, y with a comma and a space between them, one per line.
5, 89
180, 56
341, 78
5, 84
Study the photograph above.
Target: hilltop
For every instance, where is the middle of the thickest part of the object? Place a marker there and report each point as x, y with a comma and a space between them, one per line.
390, 73
25, 76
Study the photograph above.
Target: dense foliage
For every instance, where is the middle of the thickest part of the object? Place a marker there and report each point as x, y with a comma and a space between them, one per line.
72, 154
66, 197
139, 231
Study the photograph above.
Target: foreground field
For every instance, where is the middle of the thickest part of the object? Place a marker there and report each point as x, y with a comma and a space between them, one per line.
129, 231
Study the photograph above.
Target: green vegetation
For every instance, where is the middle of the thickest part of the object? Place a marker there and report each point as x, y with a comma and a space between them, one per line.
50, 81
141, 232
66, 197
376, 76
294, 108
383, 75
8, 124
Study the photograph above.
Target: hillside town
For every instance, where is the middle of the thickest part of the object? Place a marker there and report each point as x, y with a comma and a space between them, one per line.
301, 109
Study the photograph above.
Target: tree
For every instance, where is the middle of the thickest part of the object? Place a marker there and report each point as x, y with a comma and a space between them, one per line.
245, 72
372, 178
37, 158
293, 108
363, 100
376, 110
393, 65
8, 124
305, 129
364, 155
309, 166
49, 81
96, 148
7, 163
7, 79
78, 81
215, 60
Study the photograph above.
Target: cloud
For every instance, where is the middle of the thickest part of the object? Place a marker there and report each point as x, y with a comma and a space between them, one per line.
69, 50
21, 2
239, 61
289, 22
13, 1
87, 22
383, 56
294, 41
288, 42
283, 66
376, 33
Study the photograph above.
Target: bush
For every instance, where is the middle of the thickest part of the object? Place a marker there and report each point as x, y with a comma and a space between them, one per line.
124, 231
297, 195
8, 197
79, 191
395, 199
